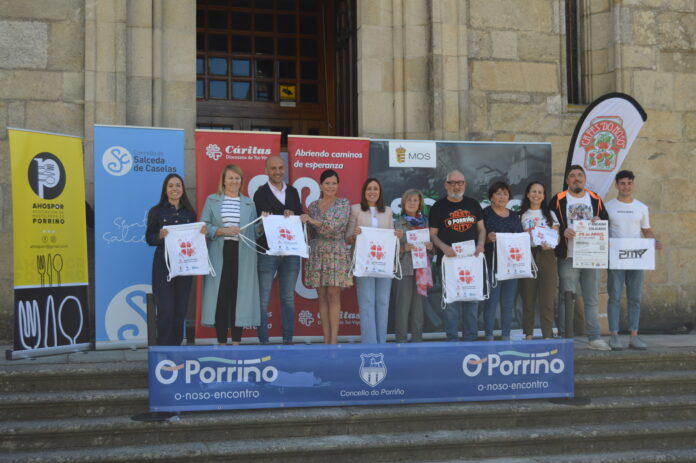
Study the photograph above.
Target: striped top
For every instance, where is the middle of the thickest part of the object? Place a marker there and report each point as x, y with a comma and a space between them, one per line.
229, 211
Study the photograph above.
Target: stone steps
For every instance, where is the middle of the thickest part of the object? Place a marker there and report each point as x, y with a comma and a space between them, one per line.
383, 447
635, 383
290, 423
67, 404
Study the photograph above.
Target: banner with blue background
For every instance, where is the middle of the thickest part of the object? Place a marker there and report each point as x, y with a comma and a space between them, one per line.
240, 377
130, 164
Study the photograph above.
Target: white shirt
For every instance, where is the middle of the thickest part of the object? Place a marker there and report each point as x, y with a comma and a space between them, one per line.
279, 194
577, 209
626, 220
533, 218
373, 215
230, 214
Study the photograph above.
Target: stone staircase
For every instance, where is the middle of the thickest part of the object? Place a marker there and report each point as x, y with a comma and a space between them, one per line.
642, 409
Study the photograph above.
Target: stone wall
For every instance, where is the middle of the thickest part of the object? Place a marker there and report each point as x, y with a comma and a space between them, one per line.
495, 70
66, 65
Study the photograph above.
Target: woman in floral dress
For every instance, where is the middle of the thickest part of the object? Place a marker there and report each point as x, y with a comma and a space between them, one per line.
328, 267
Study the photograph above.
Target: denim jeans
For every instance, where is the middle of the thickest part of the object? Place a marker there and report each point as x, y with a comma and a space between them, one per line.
634, 285
287, 269
469, 312
589, 281
373, 300
505, 295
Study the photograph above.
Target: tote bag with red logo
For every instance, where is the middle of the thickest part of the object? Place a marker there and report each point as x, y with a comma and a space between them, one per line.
185, 250
375, 253
513, 255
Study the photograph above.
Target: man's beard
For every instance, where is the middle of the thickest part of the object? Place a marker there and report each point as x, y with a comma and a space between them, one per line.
458, 196
576, 190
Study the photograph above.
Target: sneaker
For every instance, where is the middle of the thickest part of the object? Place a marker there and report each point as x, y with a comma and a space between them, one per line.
615, 342
637, 343
598, 344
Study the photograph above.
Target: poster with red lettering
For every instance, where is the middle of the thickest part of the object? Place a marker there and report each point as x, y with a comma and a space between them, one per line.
308, 157
249, 150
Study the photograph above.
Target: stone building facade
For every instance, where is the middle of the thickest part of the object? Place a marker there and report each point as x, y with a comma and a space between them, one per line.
427, 69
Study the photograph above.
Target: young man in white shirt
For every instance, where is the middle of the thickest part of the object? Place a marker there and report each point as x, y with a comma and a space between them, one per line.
628, 218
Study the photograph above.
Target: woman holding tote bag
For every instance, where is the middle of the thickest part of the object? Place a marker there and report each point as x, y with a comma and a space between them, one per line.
231, 297
171, 297
373, 293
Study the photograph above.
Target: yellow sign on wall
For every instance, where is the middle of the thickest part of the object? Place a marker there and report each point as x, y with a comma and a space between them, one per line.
48, 205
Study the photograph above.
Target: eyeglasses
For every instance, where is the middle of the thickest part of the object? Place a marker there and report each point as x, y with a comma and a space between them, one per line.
455, 182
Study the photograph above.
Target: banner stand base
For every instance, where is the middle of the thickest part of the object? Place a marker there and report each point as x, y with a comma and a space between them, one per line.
45, 351
576, 401
156, 416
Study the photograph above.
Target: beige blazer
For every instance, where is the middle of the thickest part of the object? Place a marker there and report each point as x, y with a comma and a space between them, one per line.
360, 218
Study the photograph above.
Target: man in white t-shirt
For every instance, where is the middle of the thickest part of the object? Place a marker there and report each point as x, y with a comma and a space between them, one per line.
578, 203
628, 217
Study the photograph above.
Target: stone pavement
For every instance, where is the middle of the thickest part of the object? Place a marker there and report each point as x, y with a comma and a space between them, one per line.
654, 341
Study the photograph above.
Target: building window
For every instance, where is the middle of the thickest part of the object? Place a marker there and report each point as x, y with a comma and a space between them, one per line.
574, 53
248, 49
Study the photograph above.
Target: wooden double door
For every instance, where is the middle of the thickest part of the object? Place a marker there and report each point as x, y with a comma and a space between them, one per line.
277, 65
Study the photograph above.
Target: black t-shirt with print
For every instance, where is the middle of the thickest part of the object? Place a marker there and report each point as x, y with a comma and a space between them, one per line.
455, 221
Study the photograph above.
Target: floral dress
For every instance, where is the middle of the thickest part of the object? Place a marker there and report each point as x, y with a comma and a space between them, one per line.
329, 259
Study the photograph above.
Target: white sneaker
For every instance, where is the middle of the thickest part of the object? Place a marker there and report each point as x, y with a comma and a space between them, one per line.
598, 344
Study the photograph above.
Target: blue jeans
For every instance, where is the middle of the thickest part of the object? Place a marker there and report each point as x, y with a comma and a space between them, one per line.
505, 295
634, 285
373, 300
588, 278
469, 312
287, 268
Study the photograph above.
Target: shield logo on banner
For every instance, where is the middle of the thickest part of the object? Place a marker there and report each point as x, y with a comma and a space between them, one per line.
372, 369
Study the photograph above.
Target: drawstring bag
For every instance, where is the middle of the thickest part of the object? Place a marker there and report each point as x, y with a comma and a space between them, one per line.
376, 254
463, 279
419, 254
513, 252
185, 251
285, 236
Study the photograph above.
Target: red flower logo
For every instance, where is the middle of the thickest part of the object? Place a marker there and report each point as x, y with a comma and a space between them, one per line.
515, 254
465, 276
285, 234
376, 251
419, 252
186, 248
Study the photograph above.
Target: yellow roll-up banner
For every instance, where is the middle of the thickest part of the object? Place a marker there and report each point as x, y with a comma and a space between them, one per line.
50, 240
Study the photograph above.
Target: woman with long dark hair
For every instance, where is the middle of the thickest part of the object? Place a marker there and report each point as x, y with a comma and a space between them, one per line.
535, 213
171, 297
373, 293
328, 265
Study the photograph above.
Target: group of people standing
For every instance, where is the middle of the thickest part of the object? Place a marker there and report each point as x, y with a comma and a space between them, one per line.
238, 293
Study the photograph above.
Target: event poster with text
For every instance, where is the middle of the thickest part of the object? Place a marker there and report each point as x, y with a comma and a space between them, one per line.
216, 149
50, 242
308, 157
130, 165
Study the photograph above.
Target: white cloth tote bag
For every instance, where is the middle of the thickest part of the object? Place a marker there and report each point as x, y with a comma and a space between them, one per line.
185, 250
285, 236
376, 251
513, 252
463, 279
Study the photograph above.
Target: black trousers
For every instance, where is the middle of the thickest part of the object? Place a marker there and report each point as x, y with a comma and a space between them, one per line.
171, 300
226, 311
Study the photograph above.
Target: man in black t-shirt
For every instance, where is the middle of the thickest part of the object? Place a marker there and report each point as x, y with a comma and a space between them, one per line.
451, 220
